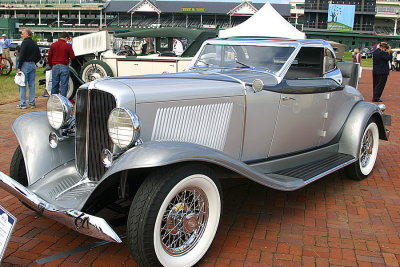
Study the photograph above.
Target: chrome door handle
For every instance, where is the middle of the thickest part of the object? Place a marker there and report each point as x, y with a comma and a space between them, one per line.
284, 98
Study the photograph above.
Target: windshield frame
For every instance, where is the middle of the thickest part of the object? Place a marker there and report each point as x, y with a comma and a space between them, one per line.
222, 42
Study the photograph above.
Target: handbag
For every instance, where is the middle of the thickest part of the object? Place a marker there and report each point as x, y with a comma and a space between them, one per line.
19, 78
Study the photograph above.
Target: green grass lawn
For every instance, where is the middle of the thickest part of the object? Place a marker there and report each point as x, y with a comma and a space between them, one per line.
9, 90
365, 62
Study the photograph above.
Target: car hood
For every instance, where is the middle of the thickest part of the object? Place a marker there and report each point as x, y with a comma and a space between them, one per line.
182, 86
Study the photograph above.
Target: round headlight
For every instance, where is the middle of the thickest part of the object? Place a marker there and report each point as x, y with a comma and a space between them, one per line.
123, 127
59, 111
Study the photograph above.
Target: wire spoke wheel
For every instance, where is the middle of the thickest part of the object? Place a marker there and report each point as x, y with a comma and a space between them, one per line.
95, 69
184, 221
366, 148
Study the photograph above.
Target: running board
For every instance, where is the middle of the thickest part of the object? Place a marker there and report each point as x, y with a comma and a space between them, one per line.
315, 170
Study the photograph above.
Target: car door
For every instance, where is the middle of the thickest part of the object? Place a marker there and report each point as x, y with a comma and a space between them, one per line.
303, 103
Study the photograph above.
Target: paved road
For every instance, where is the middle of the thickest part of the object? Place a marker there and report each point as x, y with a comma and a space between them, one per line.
334, 221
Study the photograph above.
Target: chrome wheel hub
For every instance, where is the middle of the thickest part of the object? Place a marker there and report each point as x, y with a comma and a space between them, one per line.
184, 221
366, 148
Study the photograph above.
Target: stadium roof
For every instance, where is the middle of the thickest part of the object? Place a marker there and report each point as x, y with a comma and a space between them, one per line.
192, 7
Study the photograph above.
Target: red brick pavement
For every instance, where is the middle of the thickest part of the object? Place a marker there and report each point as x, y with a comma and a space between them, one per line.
332, 222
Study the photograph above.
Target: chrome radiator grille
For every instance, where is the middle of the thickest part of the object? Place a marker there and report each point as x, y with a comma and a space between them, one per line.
92, 110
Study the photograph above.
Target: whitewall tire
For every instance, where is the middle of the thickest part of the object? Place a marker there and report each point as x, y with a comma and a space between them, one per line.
368, 151
174, 217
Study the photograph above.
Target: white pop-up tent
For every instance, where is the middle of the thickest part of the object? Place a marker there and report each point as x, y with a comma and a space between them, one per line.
266, 22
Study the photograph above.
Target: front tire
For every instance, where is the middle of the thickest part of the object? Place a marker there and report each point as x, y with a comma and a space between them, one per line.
95, 69
174, 216
72, 88
17, 167
368, 152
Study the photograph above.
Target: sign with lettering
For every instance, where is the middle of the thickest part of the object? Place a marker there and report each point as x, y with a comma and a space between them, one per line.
193, 9
7, 223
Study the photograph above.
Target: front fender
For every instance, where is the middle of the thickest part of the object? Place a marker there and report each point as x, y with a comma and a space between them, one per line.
354, 127
156, 154
32, 131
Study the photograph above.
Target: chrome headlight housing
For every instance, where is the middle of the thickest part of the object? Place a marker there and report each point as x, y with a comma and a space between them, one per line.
123, 127
59, 111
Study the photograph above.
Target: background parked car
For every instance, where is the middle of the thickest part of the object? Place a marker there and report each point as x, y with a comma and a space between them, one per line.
366, 52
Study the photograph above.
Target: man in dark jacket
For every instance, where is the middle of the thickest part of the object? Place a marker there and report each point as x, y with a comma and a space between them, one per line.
29, 55
380, 70
59, 57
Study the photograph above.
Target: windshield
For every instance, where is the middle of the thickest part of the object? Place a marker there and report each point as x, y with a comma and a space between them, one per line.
262, 58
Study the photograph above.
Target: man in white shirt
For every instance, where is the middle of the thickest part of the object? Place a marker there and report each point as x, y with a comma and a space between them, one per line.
178, 47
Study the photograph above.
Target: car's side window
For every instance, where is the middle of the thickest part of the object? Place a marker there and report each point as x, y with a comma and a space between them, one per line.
308, 64
329, 61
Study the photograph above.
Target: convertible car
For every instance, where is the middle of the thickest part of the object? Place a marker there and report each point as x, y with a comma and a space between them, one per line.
280, 112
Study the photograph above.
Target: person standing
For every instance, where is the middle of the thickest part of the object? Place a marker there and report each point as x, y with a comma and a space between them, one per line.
6, 47
29, 55
177, 47
1, 46
59, 57
357, 56
380, 70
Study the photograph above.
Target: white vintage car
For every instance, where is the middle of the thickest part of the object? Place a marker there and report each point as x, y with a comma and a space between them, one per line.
102, 54
280, 112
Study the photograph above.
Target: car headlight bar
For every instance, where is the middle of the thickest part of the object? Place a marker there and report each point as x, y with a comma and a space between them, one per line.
59, 111
123, 127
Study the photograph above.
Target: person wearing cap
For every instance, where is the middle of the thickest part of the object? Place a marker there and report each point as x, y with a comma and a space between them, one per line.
6, 47
59, 56
29, 55
380, 69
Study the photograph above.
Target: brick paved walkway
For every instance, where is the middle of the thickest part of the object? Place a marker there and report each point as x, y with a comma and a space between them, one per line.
334, 221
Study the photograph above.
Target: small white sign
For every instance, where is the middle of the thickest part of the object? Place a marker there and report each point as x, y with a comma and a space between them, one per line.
7, 223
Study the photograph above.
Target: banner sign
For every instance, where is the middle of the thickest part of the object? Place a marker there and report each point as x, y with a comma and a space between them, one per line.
341, 17
193, 9
7, 223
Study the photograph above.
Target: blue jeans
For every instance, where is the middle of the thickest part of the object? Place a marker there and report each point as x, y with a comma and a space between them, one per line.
29, 70
59, 80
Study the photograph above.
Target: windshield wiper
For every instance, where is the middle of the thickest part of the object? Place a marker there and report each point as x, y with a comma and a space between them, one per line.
245, 65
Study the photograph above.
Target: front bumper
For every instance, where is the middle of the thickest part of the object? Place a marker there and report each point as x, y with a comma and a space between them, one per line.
76, 220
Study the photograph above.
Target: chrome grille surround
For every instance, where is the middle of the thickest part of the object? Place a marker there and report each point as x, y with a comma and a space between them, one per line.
92, 110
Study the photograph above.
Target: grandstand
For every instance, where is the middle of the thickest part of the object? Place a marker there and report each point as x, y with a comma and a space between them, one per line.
48, 17
374, 20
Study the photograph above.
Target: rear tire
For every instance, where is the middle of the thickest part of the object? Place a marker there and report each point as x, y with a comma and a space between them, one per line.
174, 216
368, 151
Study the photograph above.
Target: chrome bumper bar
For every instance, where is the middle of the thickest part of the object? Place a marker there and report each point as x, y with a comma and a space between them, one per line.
76, 220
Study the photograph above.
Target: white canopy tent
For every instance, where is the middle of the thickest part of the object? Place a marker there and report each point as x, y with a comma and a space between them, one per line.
267, 22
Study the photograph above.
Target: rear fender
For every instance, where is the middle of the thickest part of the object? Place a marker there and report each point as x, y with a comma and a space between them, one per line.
32, 131
354, 127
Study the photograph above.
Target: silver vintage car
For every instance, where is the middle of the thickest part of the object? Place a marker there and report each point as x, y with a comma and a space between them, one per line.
280, 112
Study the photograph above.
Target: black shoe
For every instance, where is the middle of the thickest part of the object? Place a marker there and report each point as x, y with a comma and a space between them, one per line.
377, 100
